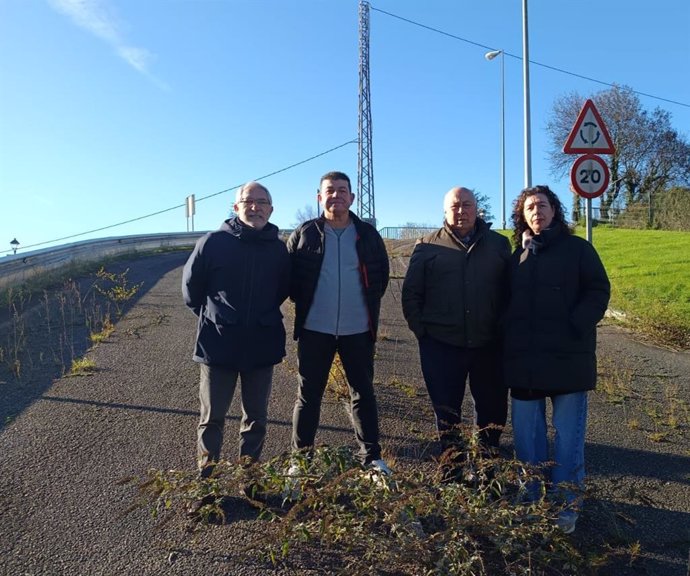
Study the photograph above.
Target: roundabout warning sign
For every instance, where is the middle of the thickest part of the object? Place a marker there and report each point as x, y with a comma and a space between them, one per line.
589, 133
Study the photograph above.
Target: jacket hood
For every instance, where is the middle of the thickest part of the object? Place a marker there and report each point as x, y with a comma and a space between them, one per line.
237, 228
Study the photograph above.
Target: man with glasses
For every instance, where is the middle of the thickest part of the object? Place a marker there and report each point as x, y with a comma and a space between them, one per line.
235, 281
453, 295
339, 275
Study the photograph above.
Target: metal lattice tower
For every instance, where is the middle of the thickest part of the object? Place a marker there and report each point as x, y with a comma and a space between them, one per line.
365, 165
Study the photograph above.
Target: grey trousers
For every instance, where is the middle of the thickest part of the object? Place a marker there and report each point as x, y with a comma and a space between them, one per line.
216, 389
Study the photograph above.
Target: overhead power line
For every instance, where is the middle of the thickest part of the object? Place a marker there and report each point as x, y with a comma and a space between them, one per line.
518, 57
286, 168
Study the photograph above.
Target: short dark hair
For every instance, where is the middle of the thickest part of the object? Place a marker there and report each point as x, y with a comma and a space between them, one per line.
518, 216
336, 176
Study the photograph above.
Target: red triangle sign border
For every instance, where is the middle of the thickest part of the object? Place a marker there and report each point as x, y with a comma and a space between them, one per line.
569, 147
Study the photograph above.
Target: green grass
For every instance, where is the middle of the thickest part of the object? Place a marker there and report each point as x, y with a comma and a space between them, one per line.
107, 328
650, 279
82, 367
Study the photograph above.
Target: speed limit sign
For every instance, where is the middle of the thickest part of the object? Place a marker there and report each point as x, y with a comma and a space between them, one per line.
589, 176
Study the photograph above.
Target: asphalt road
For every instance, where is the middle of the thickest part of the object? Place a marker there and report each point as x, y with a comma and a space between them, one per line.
66, 446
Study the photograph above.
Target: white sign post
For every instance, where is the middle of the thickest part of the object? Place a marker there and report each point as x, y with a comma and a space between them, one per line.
190, 208
589, 175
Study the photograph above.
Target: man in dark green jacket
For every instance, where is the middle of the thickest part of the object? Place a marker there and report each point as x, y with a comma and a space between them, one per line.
453, 296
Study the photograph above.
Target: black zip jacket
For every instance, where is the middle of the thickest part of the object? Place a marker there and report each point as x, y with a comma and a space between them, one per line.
306, 247
235, 281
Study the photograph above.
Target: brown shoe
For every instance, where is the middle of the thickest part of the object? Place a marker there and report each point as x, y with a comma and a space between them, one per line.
194, 508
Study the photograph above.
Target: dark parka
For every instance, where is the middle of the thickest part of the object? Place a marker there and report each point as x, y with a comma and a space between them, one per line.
456, 293
559, 292
306, 247
235, 281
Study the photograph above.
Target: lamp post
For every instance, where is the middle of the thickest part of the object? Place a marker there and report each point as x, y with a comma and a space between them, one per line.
525, 75
490, 56
15, 244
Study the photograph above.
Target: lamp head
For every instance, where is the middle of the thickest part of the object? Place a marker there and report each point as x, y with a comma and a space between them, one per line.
491, 55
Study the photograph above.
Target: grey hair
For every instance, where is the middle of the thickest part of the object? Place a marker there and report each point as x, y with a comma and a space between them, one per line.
252, 184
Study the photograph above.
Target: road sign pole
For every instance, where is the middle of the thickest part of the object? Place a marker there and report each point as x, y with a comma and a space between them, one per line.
588, 218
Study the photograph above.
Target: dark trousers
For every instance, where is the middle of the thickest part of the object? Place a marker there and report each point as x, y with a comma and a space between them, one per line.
445, 369
315, 354
216, 389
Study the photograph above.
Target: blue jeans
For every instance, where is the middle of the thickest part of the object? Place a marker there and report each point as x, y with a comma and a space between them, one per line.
569, 420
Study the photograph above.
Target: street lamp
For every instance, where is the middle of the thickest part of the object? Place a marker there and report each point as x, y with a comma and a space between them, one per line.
490, 56
525, 82
15, 245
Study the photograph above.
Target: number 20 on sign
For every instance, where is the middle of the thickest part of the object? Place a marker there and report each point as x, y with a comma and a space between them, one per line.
589, 176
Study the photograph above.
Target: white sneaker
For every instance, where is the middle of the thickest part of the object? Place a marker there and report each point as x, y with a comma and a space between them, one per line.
381, 467
566, 522
292, 490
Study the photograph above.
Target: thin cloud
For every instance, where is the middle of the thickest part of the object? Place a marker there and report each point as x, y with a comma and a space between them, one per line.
96, 17
136, 57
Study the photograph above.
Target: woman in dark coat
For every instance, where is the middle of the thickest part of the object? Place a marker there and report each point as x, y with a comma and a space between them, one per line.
559, 291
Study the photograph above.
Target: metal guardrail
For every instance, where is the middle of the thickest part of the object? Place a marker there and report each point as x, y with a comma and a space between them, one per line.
18, 268
405, 232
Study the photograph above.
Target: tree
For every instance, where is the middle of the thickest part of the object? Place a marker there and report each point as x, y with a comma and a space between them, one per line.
309, 212
484, 206
650, 157
673, 209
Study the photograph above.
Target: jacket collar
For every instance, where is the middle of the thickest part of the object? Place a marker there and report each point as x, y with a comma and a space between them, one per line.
480, 228
321, 221
549, 236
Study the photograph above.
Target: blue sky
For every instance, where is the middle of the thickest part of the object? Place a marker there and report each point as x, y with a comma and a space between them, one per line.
111, 110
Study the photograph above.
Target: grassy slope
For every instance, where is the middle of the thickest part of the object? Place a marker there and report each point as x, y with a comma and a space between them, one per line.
650, 278
649, 271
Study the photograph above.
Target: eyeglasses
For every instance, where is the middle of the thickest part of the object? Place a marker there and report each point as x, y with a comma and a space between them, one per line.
256, 202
